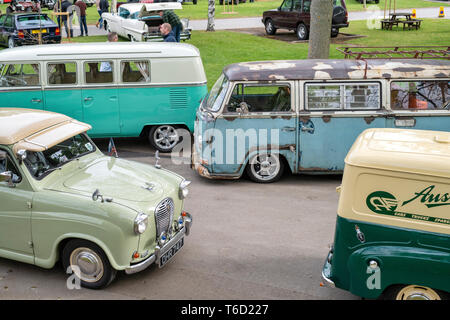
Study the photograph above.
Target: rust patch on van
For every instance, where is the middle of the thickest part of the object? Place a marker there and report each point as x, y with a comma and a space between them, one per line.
230, 118
369, 120
326, 119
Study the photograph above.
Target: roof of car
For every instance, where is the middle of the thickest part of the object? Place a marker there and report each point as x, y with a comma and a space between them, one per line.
17, 124
336, 69
133, 7
98, 49
407, 150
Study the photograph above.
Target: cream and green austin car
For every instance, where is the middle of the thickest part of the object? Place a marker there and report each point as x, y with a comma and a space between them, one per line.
62, 199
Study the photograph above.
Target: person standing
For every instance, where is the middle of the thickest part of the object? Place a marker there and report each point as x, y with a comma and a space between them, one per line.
100, 20
64, 6
167, 33
170, 17
83, 26
103, 6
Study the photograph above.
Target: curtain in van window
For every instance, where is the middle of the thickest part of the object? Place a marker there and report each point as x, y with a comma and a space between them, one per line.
143, 69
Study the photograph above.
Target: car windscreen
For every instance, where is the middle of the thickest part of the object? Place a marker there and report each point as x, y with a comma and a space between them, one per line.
34, 21
42, 163
214, 99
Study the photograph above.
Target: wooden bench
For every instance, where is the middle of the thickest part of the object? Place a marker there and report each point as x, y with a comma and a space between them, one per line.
411, 24
388, 24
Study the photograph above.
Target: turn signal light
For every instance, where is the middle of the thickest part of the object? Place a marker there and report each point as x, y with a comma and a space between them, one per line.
136, 255
183, 213
20, 34
57, 32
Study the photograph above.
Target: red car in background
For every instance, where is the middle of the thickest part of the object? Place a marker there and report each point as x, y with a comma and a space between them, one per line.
23, 6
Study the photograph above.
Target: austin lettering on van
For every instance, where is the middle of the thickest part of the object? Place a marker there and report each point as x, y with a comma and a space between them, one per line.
392, 236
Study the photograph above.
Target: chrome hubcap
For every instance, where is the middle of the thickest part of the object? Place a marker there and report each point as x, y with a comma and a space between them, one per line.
417, 293
266, 166
89, 264
166, 137
269, 27
301, 32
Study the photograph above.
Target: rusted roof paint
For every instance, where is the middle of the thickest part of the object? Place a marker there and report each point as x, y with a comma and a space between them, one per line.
336, 69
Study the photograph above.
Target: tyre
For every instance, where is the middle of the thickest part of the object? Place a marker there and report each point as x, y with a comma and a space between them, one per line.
163, 138
221, 2
302, 32
413, 292
11, 42
269, 26
265, 168
194, 1
95, 271
334, 34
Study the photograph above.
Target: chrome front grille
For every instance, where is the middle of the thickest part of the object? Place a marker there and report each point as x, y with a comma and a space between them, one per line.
164, 215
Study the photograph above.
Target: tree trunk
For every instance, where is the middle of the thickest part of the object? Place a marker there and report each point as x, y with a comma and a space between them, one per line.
320, 30
211, 13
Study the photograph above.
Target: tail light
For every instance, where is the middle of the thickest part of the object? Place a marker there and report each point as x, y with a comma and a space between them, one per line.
20, 34
57, 32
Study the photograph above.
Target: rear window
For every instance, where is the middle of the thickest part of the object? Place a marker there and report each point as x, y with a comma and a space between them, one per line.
420, 95
32, 21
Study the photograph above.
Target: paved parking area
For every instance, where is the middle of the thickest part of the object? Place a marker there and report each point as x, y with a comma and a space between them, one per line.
248, 241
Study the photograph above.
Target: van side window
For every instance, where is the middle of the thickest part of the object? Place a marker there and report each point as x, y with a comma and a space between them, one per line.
270, 98
6, 164
420, 95
9, 22
135, 71
19, 75
99, 72
2, 19
350, 96
62, 73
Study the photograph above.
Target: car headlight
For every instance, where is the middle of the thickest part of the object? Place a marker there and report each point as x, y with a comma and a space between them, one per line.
183, 190
140, 223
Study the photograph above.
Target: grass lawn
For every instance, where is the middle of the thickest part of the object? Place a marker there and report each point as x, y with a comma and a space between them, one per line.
255, 9
221, 48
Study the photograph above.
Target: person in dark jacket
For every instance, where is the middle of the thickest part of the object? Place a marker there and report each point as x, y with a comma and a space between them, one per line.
170, 17
64, 6
167, 33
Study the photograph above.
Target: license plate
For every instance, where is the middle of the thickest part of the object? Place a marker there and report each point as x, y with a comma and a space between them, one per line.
171, 252
38, 31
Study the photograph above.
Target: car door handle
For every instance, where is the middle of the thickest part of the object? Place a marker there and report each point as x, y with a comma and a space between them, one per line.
288, 129
36, 100
88, 99
307, 129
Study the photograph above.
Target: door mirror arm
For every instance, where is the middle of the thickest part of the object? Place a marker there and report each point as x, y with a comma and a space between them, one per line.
8, 177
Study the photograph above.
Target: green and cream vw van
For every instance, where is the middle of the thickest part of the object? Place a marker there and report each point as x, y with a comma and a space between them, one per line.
392, 237
121, 89
62, 199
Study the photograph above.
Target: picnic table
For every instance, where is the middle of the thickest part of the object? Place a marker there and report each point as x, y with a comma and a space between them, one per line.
395, 20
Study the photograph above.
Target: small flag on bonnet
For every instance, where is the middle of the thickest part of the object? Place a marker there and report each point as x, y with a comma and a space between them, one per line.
112, 148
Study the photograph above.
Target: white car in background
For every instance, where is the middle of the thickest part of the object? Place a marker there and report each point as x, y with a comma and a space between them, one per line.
127, 24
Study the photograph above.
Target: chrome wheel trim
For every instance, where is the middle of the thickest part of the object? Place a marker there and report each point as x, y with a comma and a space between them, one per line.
265, 166
269, 27
10, 42
414, 292
301, 31
165, 137
89, 264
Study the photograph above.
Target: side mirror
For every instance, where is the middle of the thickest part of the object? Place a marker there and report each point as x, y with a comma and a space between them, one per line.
243, 108
7, 176
21, 155
96, 195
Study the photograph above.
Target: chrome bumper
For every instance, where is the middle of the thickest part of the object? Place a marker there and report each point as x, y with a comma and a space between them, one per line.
326, 272
160, 251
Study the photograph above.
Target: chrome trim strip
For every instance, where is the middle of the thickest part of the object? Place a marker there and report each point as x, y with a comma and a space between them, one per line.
327, 281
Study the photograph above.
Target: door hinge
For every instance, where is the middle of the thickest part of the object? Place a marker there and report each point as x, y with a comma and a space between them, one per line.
29, 205
30, 244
